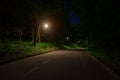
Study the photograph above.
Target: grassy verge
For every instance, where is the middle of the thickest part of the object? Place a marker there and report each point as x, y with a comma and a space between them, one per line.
14, 50
74, 45
111, 59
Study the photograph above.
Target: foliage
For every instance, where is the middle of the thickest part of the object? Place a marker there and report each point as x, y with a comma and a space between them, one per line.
111, 59
15, 47
12, 50
66, 46
74, 45
44, 45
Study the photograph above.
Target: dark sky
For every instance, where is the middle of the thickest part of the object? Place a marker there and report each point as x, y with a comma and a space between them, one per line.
74, 19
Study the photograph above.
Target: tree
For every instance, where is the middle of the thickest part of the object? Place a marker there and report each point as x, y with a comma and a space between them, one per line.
19, 30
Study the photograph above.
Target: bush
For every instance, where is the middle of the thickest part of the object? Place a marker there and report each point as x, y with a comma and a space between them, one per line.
44, 45
14, 47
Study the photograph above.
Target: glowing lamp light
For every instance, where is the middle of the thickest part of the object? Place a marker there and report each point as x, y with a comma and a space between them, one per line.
46, 25
67, 38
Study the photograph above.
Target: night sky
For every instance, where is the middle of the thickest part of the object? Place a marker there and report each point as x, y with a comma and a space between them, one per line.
74, 19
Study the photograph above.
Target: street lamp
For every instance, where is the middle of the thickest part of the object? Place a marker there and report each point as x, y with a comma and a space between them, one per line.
46, 26
39, 29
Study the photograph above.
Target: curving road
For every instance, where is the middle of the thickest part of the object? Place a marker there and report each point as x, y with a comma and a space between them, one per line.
57, 65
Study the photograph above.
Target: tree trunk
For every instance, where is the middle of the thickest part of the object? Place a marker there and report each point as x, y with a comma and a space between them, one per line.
20, 34
39, 34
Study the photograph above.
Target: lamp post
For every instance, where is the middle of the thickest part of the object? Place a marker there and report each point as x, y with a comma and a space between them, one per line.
40, 29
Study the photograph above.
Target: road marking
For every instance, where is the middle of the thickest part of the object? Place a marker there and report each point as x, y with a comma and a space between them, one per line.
49, 60
29, 72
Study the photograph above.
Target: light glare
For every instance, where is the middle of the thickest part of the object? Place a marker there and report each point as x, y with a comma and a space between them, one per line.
46, 25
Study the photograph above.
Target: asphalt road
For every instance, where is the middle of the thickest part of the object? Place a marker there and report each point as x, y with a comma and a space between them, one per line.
57, 65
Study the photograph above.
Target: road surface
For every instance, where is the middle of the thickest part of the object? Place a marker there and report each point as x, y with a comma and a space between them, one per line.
57, 65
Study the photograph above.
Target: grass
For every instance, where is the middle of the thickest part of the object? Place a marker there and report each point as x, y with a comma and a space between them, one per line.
111, 59
13, 50
74, 45
66, 46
